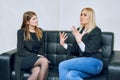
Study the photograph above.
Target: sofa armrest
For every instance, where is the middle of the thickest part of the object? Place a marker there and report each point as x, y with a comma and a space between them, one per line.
6, 64
114, 67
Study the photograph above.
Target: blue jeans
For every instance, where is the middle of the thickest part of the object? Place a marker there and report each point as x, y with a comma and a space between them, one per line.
79, 68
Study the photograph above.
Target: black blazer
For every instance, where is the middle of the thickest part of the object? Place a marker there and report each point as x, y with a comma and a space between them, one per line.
24, 48
92, 43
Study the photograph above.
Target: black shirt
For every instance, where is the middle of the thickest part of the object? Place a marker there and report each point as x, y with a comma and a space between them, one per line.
36, 44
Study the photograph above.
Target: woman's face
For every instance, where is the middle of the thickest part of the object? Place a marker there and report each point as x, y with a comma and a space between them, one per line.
33, 21
84, 18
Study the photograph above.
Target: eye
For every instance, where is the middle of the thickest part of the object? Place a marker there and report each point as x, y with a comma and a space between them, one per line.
81, 14
33, 18
85, 14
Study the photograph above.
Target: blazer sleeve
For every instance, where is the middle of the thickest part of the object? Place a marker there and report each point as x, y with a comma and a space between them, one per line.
74, 49
21, 50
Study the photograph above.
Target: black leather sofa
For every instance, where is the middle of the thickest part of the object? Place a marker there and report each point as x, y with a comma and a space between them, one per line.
55, 53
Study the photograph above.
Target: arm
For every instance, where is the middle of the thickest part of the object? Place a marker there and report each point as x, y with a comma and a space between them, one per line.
78, 37
70, 48
22, 51
91, 41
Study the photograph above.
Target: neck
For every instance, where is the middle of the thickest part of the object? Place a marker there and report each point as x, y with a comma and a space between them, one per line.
31, 28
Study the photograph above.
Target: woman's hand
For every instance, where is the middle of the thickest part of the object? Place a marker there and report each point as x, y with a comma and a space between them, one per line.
63, 37
77, 35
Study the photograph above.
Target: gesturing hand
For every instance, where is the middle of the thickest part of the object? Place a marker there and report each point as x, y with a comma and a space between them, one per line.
63, 37
76, 34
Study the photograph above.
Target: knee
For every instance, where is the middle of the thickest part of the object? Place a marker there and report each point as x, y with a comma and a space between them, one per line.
61, 65
36, 69
44, 61
72, 75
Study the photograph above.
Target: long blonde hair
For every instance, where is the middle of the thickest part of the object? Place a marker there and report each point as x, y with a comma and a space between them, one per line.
26, 17
92, 22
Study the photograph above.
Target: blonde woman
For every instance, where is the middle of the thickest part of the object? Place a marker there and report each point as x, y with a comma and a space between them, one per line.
87, 45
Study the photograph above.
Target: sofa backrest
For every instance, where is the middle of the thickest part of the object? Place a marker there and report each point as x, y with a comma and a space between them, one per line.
56, 53
107, 47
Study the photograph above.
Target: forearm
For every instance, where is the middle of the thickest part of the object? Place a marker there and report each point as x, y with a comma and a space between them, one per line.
23, 53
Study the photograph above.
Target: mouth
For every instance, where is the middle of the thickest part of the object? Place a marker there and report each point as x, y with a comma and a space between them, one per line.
81, 20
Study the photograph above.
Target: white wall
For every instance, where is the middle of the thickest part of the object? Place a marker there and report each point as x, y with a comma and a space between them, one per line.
56, 15
11, 13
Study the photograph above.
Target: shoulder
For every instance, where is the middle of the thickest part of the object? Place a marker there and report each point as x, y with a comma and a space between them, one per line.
96, 30
20, 31
40, 29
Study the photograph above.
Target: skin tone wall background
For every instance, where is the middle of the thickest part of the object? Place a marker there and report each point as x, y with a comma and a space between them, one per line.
56, 15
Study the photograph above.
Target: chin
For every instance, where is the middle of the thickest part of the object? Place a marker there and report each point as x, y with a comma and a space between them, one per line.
82, 24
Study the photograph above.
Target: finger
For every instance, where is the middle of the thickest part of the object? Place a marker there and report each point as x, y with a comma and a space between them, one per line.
75, 29
83, 33
72, 28
60, 34
65, 37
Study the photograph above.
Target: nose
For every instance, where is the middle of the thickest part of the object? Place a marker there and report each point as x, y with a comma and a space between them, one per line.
81, 18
